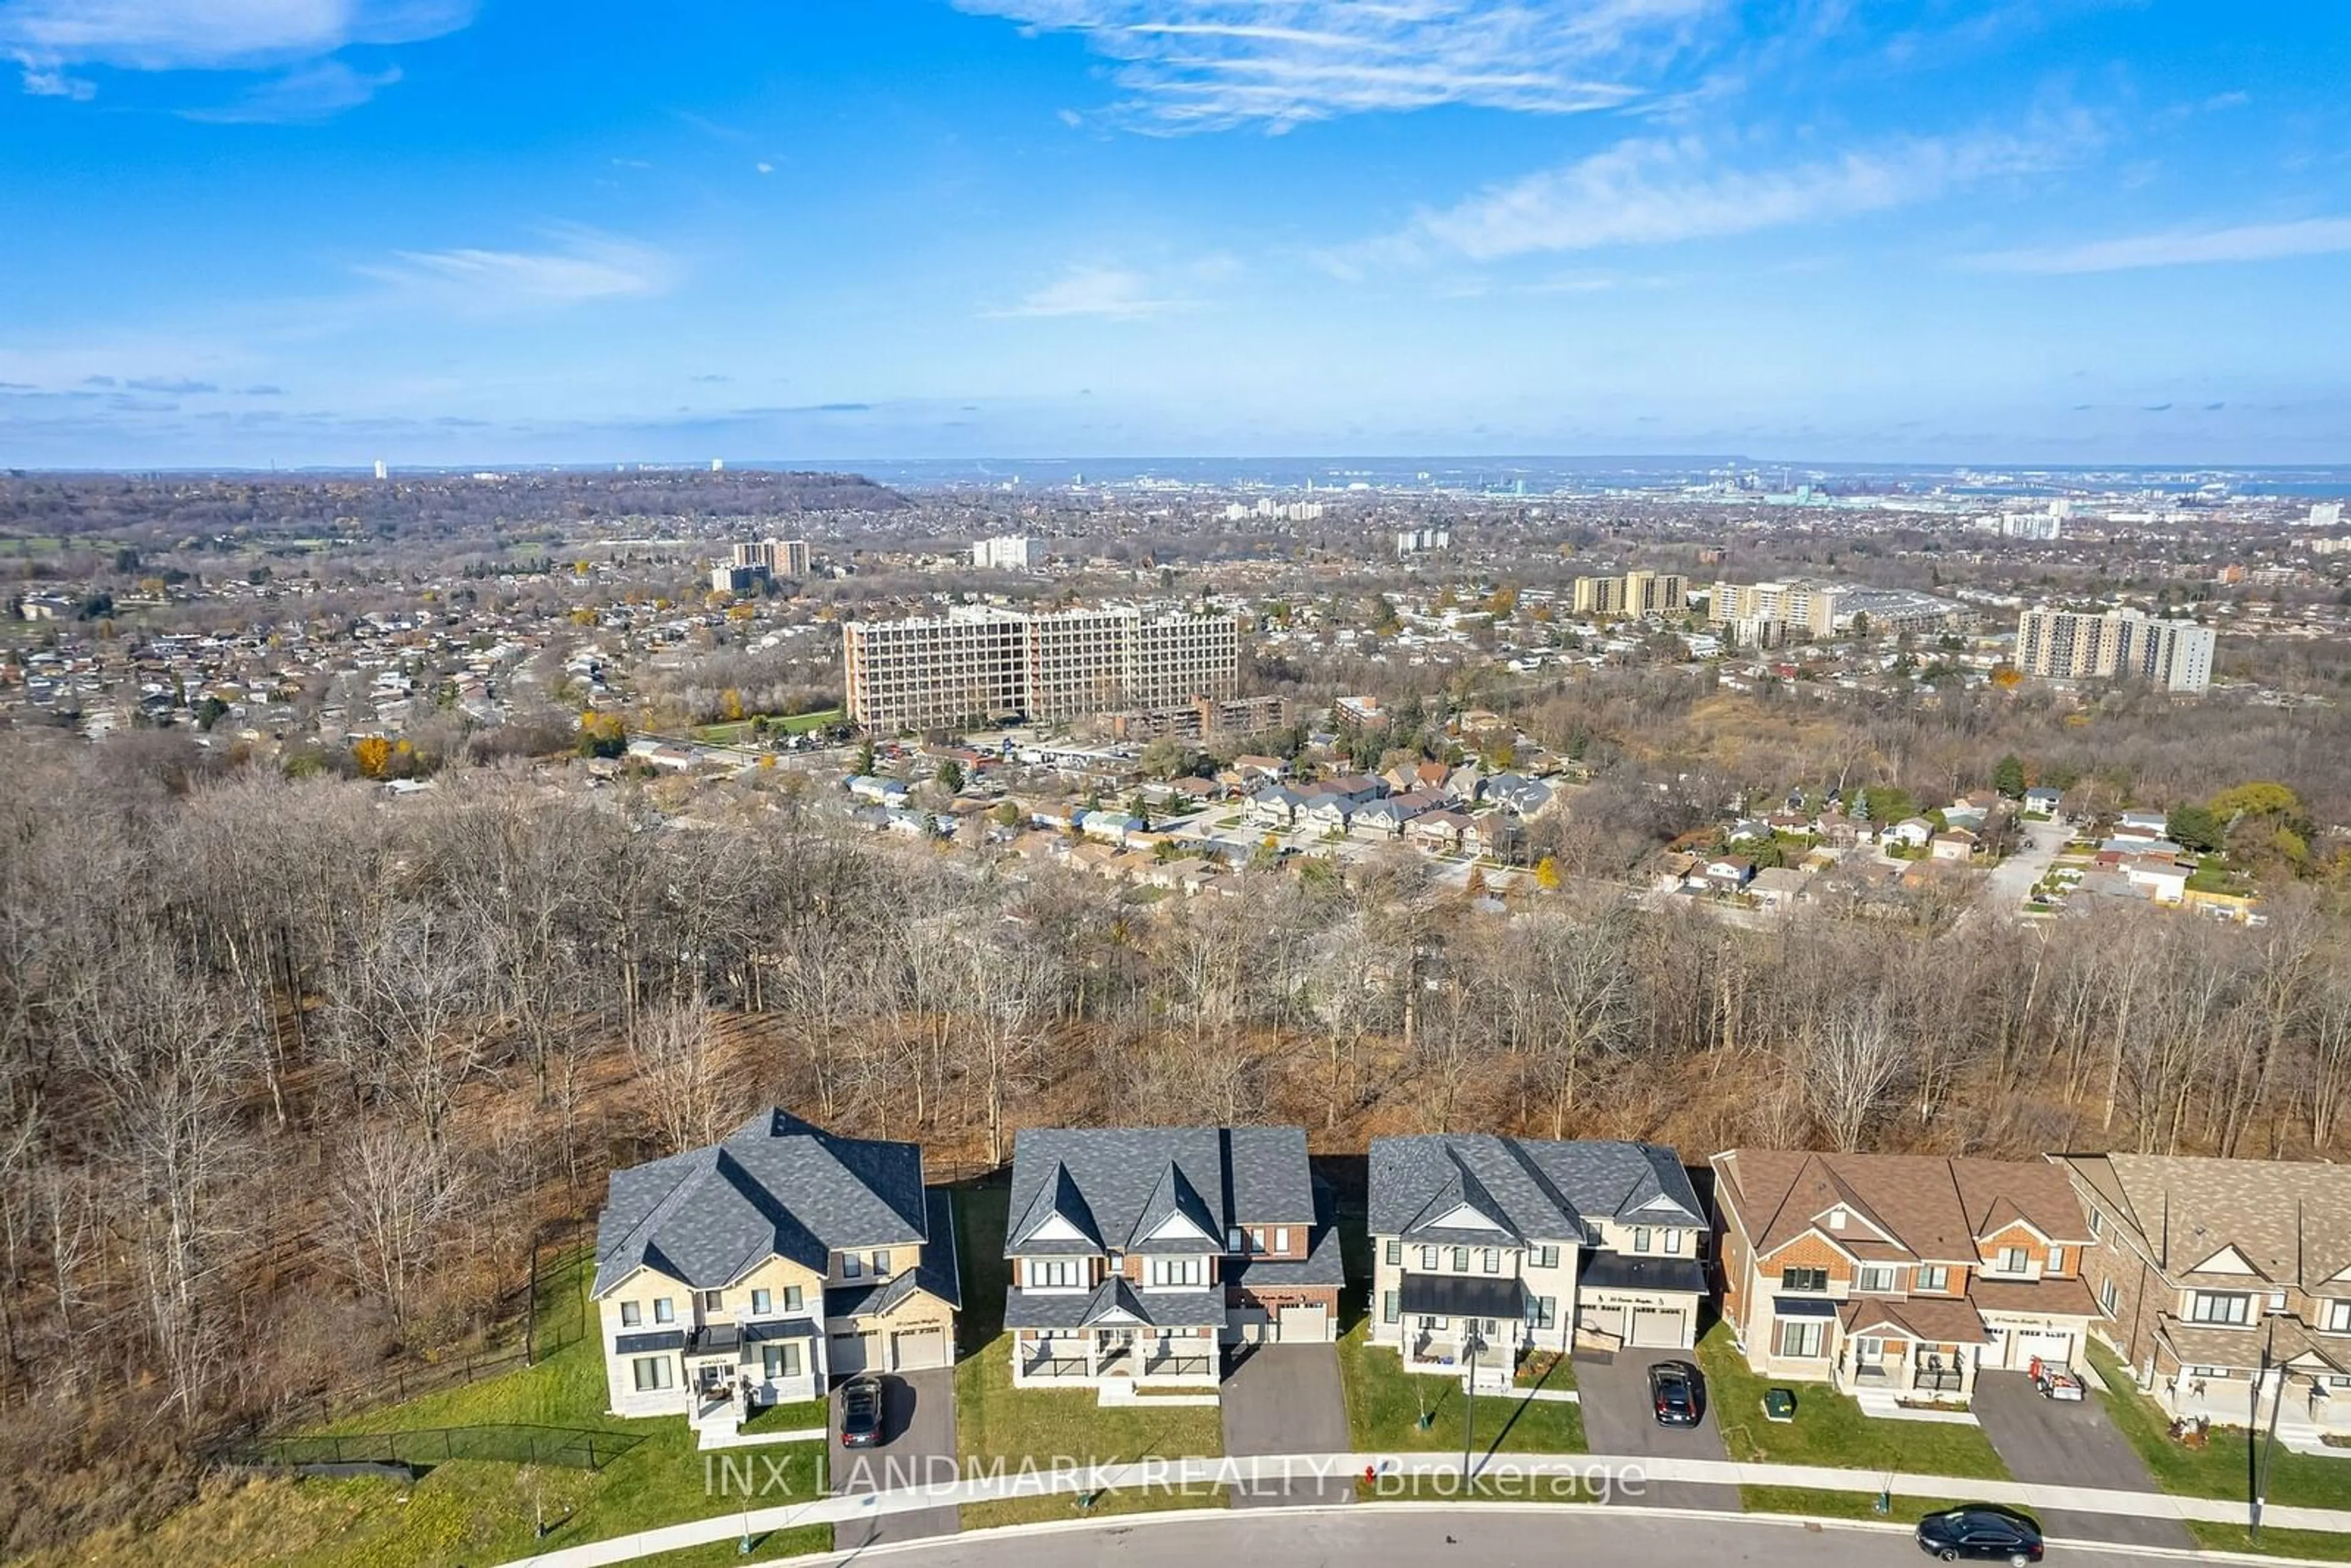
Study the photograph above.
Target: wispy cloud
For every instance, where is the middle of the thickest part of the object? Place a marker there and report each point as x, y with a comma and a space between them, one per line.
300, 96
2182, 247
1654, 191
585, 267
210, 34
1191, 64
1113, 293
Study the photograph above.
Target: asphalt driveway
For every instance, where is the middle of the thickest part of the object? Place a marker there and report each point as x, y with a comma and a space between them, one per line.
2069, 1444
1287, 1400
918, 1446
1617, 1419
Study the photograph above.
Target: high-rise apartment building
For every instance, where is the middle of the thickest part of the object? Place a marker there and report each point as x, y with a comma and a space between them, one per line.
787, 559
2122, 645
1009, 552
988, 663
1635, 594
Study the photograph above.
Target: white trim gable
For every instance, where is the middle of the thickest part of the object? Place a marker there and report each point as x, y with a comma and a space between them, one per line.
1180, 1224
1057, 1228
1854, 1219
2227, 1261
1462, 1217
2012, 1223
1116, 1315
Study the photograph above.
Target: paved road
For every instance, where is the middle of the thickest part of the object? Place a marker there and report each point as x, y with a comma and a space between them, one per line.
919, 1437
1487, 1536
1617, 1419
1287, 1400
2007, 883
2070, 1445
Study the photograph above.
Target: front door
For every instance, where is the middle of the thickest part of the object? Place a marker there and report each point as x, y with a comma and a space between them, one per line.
1115, 1352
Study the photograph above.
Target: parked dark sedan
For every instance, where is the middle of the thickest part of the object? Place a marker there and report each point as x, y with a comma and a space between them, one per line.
1675, 1394
1980, 1533
861, 1413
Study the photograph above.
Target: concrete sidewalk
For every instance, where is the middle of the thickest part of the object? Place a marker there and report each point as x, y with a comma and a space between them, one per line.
1282, 1470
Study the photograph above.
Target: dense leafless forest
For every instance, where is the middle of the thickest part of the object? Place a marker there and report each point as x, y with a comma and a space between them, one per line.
293, 1074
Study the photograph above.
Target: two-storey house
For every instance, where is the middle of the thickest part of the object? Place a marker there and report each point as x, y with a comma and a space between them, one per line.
1899, 1276
1134, 1254
756, 1271
1485, 1246
2226, 1284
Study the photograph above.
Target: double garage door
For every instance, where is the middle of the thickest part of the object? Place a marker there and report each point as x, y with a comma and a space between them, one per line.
1648, 1328
896, 1350
2014, 1348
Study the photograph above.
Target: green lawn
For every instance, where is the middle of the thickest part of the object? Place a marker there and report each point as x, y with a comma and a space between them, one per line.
2276, 1542
1842, 1504
478, 1511
2223, 1469
1386, 1403
1829, 1428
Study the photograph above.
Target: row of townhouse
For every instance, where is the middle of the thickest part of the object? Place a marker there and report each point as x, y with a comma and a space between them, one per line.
783, 1258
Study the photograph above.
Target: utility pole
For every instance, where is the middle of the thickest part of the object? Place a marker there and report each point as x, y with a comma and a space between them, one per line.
2266, 1454
1470, 1342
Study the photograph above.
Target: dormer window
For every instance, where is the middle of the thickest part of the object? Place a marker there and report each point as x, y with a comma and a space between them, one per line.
2013, 1260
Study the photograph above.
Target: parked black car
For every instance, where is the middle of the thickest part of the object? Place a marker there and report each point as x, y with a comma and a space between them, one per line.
861, 1413
1677, 1394
1981, 1532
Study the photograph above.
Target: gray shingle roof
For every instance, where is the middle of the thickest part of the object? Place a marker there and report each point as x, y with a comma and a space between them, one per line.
1536, 1189
1116, 1185
774, 1186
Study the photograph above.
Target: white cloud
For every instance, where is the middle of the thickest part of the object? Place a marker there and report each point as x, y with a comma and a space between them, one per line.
297, 37
764, 168
1210, 64
586, 267
1658, 191
39, 83
1111, 293
306, 93
2182, 247
175, 35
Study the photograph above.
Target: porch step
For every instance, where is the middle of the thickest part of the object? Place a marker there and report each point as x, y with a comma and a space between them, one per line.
1123, 1391
1877, 1403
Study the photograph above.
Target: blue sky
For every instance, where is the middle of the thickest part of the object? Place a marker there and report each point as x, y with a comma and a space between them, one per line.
241, 232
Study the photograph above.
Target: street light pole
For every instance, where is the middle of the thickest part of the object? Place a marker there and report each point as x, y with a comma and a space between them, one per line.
2266, 1457
1469, 1405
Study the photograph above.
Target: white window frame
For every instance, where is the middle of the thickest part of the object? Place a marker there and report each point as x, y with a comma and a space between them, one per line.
2334, 1316
1281, 1240
2108, 1297
1673, 1241
1874, 1280
852, 1266
881, 1264
1546, 1257
1811, 1332
1931, 1277
1490, 1260
1054, 1273
653, 1374
631, 1315
762, 1303
1428, 1259
2216, 1308
2015, 1259
1178, 1274
664, 1309
1640, 1238
793, 1300
710, 1300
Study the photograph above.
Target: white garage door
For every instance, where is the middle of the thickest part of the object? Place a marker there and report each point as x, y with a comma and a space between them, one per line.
913, 1350
1607, 1322
1657, 1327
2023, 1345
1304, 1325
847, 1354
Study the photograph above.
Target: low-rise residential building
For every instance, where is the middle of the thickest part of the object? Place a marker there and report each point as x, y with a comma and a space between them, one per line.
756, 1270
1498, 1246
1136, 1254
1899, 1274
2226, 1284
